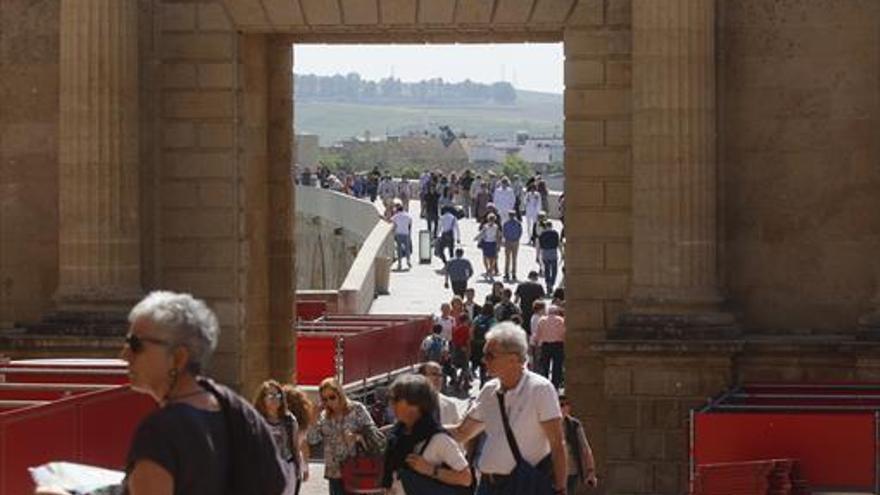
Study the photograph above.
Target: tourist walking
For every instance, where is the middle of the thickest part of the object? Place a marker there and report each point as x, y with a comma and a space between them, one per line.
450, 412
342, 425
460, 351
512, 232
581, 463
449, 234
481, 202
548, 244
481, 326
549, 337
526, 294
271, 402
435, 348
458, 272
402, 221
504, 199
431, 208
387, 192
506, 309
487, 240
420, 454
519, 412
304, 411
203, 438
533, 207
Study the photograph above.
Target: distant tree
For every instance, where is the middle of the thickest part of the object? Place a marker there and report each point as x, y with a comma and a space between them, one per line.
409, 172
514, 165
504, 93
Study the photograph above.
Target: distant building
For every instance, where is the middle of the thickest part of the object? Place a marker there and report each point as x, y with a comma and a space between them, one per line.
538, 151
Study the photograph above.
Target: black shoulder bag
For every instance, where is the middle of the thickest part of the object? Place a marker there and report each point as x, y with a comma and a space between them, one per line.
526, 479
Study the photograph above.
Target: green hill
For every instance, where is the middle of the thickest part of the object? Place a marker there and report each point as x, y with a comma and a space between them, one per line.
534, 112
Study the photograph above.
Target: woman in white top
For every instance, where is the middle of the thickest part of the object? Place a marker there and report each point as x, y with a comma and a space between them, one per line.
419, 449
487, 239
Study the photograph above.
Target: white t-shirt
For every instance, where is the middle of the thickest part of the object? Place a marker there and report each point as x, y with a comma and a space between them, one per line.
531, 402
402, 223
447, 323
442, 449
450, 410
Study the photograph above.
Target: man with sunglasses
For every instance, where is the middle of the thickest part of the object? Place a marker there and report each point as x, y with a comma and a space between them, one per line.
529, 427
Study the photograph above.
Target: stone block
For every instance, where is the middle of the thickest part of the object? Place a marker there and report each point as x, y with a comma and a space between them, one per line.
217, 193
283, 13
551, 11
359, 12
589, 193
198, 164
247, 13
593, 42
649, 445
584, 73
623, 413
618, 73
618, 256
178, 135
629, 477
667, 414
620, 444
590, 312
510, 11
178, 17
668, 478
204, 104
201, 223
197, 47
618, 381
584, 162
597, 103
216, 75
584, 133
216, 136
212, 17
618, 132
599, 224
321, 12
178, 75
618, 12
180, 194
677, 442
404, 11
588, 13
217, 283
618, 194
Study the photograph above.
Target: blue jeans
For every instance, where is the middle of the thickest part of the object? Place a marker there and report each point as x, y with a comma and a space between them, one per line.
550, 268
335, 486
404, 246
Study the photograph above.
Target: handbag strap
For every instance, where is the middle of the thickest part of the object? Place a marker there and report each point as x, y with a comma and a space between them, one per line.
511, 440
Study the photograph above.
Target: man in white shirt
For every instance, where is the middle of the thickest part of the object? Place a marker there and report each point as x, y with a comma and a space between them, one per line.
504, 199
449, 234
532, 409
402, 221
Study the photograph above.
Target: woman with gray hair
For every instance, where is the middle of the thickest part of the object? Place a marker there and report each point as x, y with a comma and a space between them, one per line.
203, 438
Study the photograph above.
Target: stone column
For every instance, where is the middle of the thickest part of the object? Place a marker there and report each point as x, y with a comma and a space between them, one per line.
99, 240
675, 283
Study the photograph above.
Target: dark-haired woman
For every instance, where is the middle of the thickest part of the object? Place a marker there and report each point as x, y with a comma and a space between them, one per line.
419, 443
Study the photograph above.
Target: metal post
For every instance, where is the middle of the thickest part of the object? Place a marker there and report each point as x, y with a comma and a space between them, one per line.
691, 463
876, 453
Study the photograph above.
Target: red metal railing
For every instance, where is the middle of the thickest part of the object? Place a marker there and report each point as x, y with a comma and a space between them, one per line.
92, 428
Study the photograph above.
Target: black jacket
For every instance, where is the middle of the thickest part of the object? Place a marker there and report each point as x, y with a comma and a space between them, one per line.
255, 466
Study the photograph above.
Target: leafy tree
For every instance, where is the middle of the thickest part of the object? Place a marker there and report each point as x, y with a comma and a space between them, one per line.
514, 165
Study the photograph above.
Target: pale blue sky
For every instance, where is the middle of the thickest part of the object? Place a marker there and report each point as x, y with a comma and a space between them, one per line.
535, 66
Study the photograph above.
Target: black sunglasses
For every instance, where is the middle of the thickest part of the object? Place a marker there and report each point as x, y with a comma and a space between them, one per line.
136, 344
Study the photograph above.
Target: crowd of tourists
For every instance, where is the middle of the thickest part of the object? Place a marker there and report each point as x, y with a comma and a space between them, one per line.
517, 436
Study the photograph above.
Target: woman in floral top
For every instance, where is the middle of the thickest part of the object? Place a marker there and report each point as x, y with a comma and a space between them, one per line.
342, 424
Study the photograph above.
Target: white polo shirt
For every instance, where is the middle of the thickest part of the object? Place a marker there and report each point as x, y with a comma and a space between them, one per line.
402, 223
531, 402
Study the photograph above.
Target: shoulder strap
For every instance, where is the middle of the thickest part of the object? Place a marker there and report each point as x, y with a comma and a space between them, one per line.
511, 440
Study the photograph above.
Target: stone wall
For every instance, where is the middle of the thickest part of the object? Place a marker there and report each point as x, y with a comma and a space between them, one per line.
29, 71
800, 109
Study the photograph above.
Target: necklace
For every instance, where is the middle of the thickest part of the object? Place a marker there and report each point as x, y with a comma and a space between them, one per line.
184, 396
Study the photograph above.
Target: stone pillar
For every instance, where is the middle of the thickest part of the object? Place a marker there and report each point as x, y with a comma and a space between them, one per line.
99, 241
674, 290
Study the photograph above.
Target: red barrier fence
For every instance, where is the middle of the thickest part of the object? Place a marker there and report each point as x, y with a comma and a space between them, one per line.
310, 310
357, 346
93, 428
833, 435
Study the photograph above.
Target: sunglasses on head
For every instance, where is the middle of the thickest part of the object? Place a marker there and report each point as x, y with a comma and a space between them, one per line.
274, 395
136, 343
